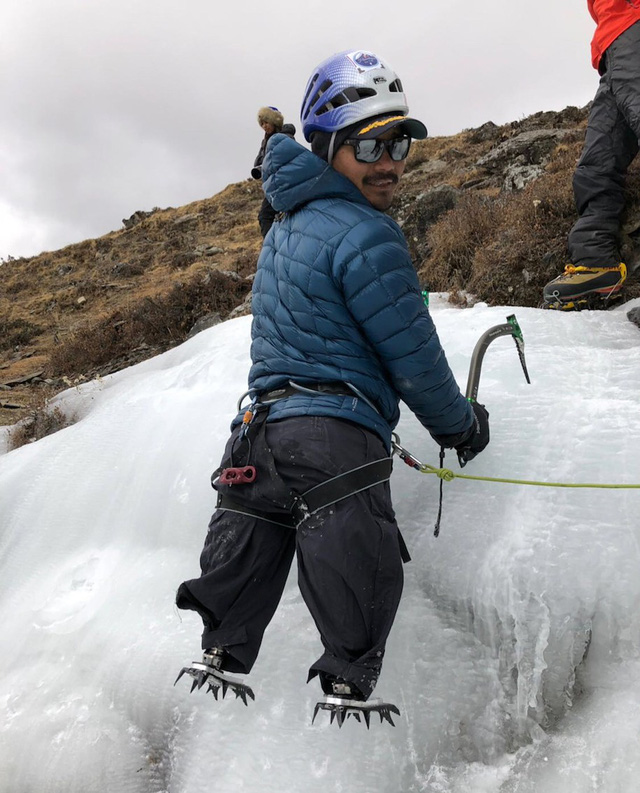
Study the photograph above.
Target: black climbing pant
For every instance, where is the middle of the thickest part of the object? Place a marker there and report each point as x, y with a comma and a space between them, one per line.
349, 556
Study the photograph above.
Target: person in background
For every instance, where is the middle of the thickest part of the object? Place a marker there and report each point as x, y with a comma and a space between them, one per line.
271, 121
597, 273
340, 335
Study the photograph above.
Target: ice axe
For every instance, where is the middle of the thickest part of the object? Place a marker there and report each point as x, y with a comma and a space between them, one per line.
509, 328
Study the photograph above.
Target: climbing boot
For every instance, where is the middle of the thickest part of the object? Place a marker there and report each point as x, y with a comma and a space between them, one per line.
584, 288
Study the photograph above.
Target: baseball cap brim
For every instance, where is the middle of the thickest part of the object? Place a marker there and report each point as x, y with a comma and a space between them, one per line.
378, 125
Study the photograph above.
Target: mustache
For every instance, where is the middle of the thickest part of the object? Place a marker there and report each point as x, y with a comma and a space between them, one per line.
391, 175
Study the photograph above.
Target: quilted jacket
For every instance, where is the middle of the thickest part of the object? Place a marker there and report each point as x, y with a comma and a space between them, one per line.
336, 299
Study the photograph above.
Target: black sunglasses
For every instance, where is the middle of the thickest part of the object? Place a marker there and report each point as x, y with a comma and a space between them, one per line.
371, 150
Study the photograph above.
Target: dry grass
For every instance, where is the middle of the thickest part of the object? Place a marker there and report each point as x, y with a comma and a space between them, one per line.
17, 332
157, 322
456, 238
503, 250
75, 307
38, 423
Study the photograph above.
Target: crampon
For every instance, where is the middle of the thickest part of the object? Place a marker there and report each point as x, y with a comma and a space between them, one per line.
341, 709
591, 302
205, 674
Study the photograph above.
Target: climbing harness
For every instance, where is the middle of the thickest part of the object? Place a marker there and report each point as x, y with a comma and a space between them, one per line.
291, 508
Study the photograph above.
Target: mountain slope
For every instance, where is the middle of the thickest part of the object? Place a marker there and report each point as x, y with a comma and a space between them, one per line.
485, 212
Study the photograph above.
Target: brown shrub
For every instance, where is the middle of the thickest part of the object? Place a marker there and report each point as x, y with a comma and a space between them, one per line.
16, 332
159, 322
180, 261
529, 245
455, 238
40, 422
503, 250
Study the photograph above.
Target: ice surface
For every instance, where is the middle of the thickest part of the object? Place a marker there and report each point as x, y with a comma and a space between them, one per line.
487, 661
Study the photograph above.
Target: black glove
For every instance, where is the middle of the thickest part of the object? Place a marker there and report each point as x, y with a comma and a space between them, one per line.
478, 438
256, 172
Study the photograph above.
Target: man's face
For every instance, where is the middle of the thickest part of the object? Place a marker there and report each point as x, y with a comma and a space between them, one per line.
377, 181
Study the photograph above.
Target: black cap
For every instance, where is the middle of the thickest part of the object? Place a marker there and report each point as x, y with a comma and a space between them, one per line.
326, 144
378, 125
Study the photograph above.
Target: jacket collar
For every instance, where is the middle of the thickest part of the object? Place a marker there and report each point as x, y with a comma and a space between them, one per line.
293, 176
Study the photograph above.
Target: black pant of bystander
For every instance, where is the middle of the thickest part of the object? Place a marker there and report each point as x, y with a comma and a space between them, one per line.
611, 143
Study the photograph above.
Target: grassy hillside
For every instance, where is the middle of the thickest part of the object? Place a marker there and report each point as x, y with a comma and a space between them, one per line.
486, 214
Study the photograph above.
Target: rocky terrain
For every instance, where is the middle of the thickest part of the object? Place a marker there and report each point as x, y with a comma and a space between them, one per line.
486, 214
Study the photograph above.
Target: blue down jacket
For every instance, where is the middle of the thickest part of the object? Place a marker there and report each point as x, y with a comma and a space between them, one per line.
336, 298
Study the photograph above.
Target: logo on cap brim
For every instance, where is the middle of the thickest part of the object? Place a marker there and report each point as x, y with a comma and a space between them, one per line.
378, 126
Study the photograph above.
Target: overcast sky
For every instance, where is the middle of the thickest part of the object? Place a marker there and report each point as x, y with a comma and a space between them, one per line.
111, 107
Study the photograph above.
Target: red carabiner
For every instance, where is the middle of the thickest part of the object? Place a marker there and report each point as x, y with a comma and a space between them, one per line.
238, 476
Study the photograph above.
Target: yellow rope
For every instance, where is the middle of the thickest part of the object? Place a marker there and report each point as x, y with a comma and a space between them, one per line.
448, 475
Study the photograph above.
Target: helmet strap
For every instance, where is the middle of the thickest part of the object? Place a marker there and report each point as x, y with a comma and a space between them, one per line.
330, 151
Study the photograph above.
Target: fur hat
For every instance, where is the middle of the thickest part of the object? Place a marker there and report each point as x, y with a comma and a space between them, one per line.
271, 115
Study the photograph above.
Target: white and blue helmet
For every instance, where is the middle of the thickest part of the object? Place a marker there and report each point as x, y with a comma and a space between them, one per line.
350, 87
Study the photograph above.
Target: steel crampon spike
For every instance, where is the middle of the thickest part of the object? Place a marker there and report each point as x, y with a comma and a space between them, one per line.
360, 712
385, 715
239, 689
242, 695
250, 694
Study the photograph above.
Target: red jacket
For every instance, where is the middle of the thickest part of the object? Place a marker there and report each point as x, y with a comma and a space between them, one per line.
612, 17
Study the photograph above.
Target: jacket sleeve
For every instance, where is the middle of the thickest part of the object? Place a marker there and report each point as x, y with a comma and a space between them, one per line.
382, 293
261, 153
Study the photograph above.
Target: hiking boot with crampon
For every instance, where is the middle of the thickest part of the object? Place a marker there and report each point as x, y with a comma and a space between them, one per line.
584, 288
210, 673
346, 700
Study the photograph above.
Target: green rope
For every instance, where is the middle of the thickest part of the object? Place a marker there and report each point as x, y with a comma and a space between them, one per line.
447, 475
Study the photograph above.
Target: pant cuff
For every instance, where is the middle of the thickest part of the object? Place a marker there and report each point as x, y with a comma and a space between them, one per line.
238, 657
363, 676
